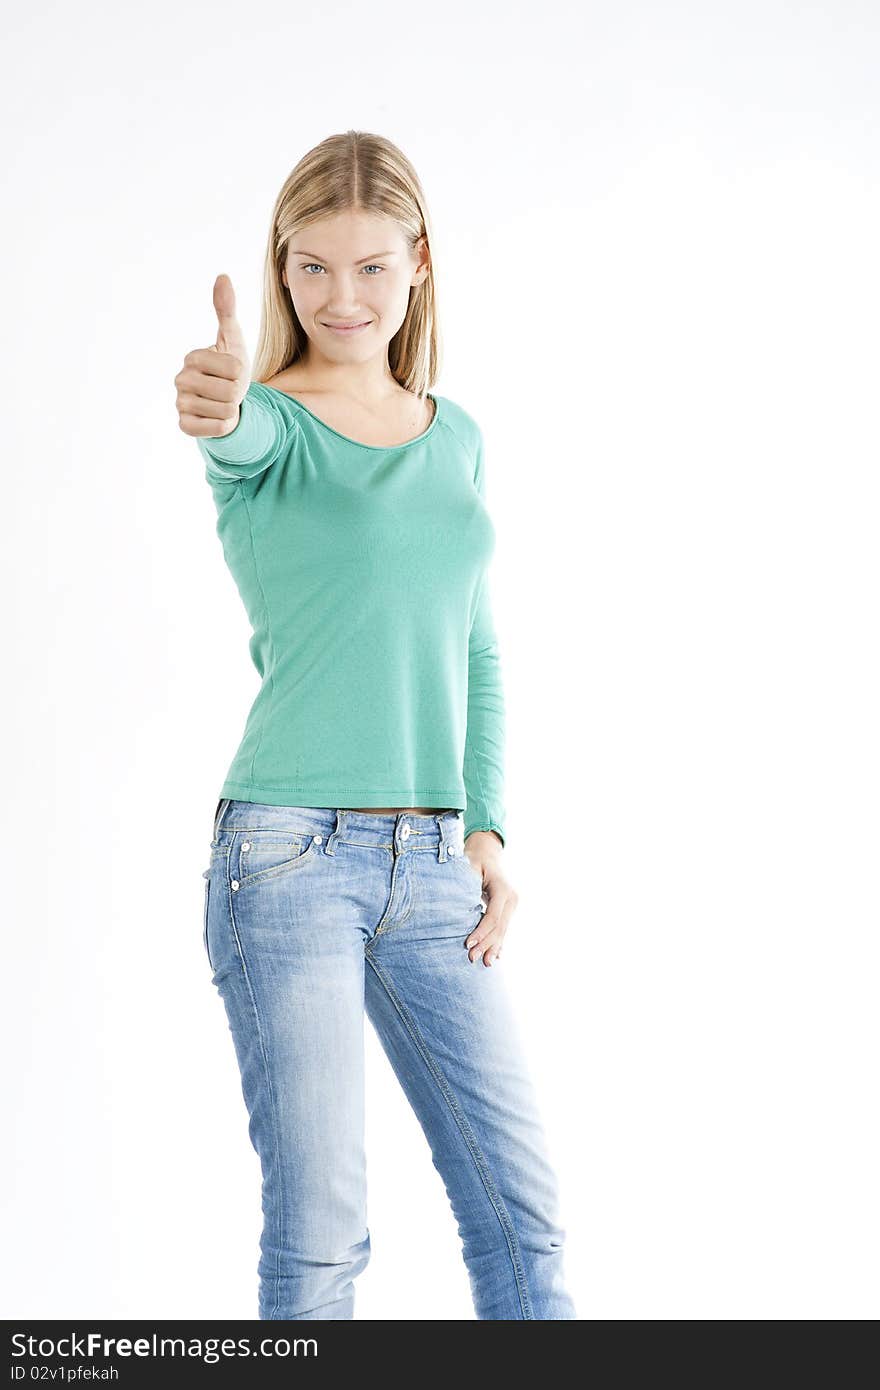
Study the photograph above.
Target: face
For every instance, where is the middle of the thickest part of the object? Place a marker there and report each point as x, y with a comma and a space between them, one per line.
352, 268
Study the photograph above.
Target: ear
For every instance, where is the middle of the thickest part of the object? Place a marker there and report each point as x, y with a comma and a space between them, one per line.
421, 250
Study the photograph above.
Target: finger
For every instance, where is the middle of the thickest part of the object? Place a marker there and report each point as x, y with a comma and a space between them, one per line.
223, 366
198, 425
230, 338
494, 918
205, 407
492, 951
483, 931
491, 939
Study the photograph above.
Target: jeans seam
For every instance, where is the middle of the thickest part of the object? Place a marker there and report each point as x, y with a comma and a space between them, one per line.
467, 1134
269, 1087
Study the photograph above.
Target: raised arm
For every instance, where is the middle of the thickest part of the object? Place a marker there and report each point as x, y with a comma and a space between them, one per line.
237, 424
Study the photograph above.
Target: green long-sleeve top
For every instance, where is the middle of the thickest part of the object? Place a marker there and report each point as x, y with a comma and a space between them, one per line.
364, 574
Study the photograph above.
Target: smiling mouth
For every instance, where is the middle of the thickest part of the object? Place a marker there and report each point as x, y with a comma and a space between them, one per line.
346, 327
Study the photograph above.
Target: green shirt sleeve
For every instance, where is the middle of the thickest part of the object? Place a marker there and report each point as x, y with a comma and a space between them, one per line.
484, 743
257, 441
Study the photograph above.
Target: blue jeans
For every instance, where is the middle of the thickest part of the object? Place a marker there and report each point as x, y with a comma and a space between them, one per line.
313, 916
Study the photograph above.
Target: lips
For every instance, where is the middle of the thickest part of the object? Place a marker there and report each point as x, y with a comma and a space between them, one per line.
347, 327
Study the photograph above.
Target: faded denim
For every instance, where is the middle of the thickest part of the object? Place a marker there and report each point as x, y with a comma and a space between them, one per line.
312, 917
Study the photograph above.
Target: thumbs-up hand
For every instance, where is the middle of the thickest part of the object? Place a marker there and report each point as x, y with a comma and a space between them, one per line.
213, 381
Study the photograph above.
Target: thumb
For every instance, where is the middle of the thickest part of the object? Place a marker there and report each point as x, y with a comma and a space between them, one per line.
229, 335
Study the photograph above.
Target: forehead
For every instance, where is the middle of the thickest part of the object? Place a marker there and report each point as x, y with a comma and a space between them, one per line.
348, 235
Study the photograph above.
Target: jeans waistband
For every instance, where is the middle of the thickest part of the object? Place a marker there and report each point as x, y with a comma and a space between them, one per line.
401, 830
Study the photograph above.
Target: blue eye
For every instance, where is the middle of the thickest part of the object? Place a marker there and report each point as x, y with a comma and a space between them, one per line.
309, 265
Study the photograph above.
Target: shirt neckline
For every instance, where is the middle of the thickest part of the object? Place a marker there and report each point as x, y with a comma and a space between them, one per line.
357, 443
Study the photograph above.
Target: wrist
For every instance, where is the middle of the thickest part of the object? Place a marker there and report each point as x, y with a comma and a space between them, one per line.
485, 840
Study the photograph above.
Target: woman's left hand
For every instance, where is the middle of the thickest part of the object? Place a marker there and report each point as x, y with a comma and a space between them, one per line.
484, 851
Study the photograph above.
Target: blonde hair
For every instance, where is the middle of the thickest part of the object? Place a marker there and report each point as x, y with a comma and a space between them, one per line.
356, 170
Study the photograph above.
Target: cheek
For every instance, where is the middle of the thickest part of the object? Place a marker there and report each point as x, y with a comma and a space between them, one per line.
391, 301
303, 296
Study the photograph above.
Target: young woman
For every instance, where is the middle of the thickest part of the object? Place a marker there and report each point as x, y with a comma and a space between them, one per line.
361, 823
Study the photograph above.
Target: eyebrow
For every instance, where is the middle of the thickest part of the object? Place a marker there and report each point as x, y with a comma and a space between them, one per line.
375, 257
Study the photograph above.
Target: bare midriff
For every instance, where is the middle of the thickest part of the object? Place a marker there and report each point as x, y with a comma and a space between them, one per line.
395, 810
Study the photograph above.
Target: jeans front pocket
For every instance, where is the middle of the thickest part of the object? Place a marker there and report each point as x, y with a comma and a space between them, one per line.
265, 854
465, 874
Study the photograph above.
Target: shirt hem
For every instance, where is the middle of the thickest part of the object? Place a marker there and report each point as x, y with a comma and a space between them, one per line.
341, 797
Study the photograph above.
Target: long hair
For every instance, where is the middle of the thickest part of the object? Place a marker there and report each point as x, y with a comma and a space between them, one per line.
356, 170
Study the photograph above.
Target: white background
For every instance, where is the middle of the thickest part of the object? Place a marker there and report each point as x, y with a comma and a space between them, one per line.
656, 249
